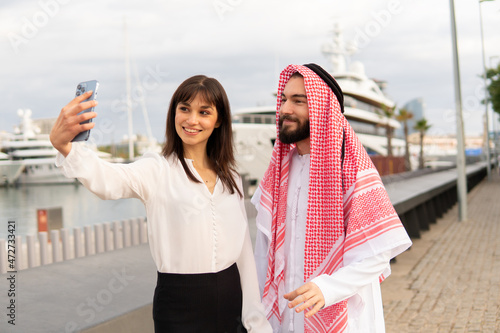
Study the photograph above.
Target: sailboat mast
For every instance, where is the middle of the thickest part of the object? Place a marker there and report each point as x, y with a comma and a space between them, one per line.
143, 104
129, 96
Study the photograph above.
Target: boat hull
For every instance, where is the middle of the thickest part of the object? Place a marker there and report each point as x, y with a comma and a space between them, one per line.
42, 171
10, 172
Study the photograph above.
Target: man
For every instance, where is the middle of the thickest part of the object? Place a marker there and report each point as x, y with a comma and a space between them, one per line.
326, 228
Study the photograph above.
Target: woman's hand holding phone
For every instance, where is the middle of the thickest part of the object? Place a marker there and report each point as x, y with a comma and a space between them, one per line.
69, 122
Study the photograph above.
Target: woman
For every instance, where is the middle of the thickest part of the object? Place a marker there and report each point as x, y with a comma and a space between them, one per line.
197, 227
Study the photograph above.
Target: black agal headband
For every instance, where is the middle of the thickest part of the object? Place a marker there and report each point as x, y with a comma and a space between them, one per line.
330, 81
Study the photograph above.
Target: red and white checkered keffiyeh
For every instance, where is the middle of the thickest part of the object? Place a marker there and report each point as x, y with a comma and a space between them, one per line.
344, 224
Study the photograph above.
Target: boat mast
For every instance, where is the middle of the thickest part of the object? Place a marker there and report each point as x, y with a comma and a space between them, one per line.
151, 139
129, 96
338, 51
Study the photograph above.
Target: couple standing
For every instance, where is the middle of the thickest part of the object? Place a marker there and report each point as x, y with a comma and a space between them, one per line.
326, 227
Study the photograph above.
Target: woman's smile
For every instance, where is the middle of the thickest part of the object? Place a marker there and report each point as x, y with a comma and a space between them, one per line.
191, 130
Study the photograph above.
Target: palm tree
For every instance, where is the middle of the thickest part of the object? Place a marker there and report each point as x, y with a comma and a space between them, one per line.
389, 113
422, 126
403, 116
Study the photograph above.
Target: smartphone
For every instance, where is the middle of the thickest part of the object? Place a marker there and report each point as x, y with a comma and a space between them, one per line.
82, 88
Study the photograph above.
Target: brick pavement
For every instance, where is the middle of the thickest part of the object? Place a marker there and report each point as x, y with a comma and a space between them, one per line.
449, 281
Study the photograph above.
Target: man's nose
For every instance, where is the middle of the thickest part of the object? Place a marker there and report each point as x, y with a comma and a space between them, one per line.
286, 108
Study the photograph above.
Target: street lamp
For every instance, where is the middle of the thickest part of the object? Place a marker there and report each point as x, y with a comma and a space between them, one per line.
461, 179
488, 157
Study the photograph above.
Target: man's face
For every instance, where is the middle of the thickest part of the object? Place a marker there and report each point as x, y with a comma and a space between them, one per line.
294, 112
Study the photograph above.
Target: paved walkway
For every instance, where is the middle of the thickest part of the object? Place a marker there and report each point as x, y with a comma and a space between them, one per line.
449, 281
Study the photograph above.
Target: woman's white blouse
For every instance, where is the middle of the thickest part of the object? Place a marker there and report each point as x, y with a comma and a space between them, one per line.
190, 230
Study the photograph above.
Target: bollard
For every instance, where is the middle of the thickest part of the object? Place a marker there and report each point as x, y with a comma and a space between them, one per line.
79, 250
89, 242
43, 240
108, 237
127, 241
117, 235
99, 238
56, 246
30, 243
19, 253
66, 244
134, 230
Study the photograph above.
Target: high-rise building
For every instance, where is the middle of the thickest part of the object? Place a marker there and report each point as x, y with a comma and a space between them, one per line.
415, 106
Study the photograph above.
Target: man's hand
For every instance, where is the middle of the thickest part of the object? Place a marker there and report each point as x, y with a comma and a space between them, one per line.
310, 295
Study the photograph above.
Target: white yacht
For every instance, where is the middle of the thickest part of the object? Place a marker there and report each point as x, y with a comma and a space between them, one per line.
364, 98
9, 170
254, 134
364, 102
31, 154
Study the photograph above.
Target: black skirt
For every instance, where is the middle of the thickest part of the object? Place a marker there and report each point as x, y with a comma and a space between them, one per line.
189, 303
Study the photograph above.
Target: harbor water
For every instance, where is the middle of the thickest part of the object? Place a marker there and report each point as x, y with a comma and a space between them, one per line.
79, 206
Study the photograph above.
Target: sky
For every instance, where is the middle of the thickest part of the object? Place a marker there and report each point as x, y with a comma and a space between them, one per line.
48, 46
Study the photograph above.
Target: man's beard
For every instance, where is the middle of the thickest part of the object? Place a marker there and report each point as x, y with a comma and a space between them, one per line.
292, 136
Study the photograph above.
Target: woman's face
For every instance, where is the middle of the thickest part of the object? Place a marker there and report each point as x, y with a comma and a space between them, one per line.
195, 121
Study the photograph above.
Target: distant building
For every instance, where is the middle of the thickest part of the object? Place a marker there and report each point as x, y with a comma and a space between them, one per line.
415, 106
442, 145
142, 144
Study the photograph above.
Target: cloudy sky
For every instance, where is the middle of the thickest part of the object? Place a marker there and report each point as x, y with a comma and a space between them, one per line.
48, 46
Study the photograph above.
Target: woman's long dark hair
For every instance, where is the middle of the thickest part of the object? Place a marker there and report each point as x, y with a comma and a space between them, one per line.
220, 143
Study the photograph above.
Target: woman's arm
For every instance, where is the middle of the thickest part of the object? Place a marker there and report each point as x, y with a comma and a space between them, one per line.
112, 181
253, 316
106, 180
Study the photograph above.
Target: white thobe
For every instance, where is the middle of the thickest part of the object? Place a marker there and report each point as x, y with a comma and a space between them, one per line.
357, 282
